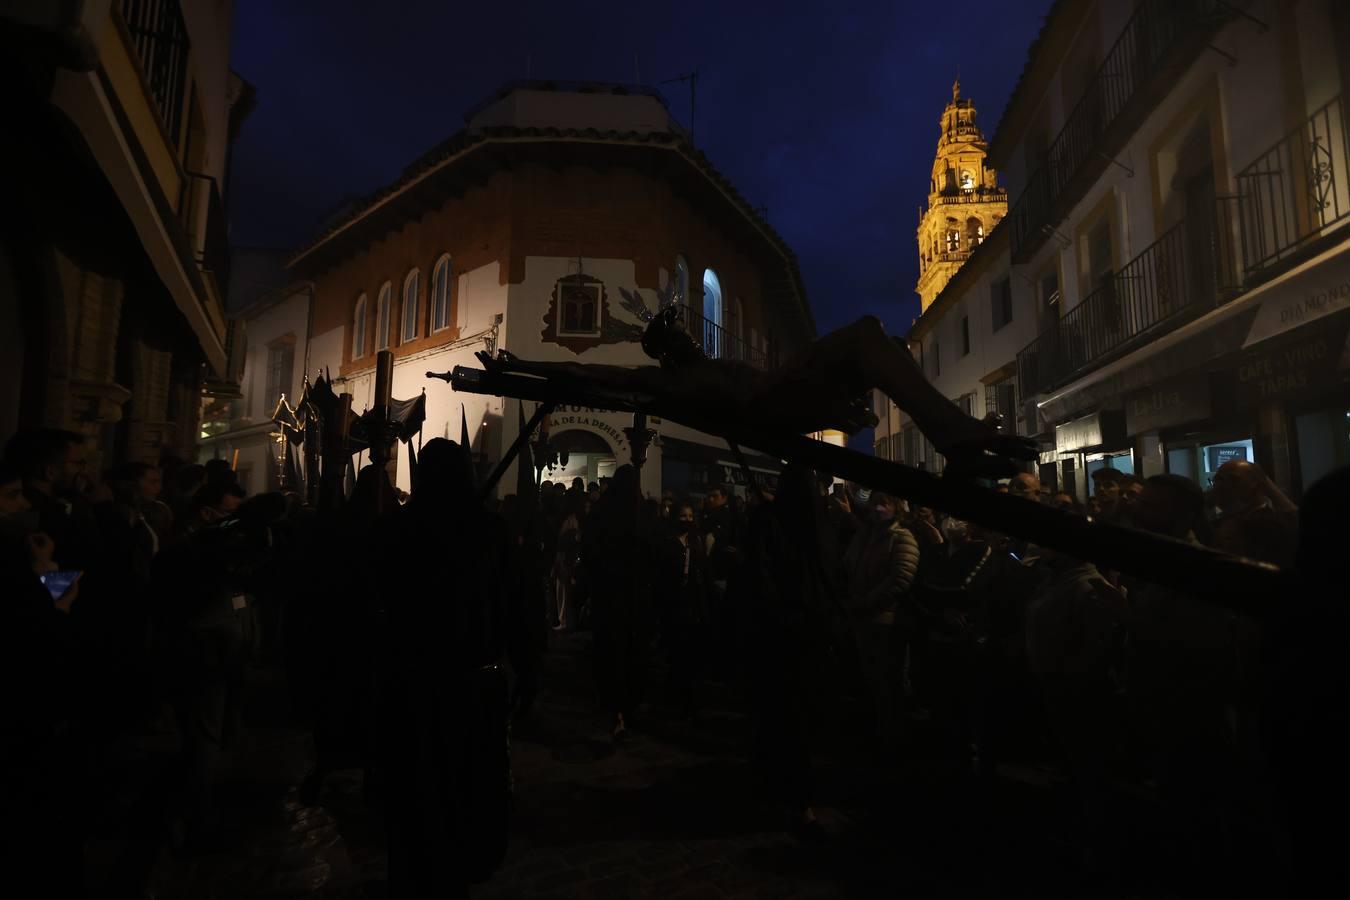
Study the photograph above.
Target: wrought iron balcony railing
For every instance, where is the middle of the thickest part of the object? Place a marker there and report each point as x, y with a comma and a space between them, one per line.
1187, 270
978, 195
160, 35
719, 343
1155, 32
1295, 191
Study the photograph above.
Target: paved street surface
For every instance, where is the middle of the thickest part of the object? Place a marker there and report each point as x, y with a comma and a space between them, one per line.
674, 813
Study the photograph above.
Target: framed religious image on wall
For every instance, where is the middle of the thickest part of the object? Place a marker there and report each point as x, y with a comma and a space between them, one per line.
578, 304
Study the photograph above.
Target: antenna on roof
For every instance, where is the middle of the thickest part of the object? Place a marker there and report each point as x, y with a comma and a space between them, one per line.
692, 79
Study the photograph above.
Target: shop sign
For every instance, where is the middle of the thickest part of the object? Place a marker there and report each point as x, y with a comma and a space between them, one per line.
1080, 433
1172, 403
1318, 293
599, 421
1293, 367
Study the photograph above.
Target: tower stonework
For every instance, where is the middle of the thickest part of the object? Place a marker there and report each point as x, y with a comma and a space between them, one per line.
964, 199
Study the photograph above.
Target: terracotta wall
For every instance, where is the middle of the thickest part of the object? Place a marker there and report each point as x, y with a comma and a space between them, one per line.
612, 213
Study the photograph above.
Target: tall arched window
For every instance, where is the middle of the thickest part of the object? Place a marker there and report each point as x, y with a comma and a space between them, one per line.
953, 240
440, 294
712, 314
412, 285
359, 328
382, 313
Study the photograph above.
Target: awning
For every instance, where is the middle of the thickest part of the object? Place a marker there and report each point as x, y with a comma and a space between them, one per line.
1101, 429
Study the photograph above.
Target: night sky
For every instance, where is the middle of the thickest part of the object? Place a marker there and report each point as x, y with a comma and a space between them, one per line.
827, 119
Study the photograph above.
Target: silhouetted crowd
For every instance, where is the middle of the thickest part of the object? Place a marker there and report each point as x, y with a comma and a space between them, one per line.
412, 630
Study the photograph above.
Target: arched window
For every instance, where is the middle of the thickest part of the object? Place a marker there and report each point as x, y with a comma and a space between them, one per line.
359, 328
382, 313
681, 281
411, 291
953, 240
712, 314
440, 294
974, 232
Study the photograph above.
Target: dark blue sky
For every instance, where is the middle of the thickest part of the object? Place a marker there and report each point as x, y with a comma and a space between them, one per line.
826, 115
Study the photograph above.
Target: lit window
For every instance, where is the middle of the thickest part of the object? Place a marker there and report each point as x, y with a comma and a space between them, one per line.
359, 328
440, 295
953, 240
382, 313
411, 284
714, 338
967, 180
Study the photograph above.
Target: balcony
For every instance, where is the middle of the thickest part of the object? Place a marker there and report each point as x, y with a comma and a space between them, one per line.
1185, 272
978, 195
203, 215
718, 343
1295, 192
1160, 35
160, 36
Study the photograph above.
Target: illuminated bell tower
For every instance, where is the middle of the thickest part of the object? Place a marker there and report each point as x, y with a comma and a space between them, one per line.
964, 199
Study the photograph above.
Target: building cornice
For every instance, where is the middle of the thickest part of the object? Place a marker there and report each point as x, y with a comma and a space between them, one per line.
465, 148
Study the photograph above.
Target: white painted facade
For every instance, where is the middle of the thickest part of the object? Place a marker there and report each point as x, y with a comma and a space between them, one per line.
275, 328
1261, 79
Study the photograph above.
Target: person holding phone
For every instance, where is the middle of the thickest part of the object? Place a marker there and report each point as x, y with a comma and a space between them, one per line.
39, 751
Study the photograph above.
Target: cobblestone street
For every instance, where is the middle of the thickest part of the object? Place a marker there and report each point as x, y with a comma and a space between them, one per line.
673, 812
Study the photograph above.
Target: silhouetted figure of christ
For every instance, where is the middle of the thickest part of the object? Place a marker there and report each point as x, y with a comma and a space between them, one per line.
824, 387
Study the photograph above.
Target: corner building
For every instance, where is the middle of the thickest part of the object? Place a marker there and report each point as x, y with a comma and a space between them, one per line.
543, 228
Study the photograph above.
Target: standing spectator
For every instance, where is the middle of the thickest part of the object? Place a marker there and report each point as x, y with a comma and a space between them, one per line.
52, 462
1257, 519
1106, 491
682, 582
1182, 671
617, 570
881, 563
444, 754
41, 756
786, 596
566, 559
1072, 634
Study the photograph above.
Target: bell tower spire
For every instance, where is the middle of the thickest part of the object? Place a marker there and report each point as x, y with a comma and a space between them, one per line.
964, 199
